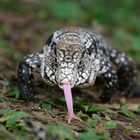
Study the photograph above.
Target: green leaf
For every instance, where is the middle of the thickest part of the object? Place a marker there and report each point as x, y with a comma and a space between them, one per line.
124, 107
62, 131
129, 114
6, 112
111, 124
138, 108
48, 90
2, 126
96, 117
95, 108
16, 116
94, 120
1, 100
21, 125
126, 112
14, 91
90, 135
47, 106
82, 115
112, 112
24, 135
86, 107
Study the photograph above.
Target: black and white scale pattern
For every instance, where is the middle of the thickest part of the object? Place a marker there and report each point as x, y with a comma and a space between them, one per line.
77, 57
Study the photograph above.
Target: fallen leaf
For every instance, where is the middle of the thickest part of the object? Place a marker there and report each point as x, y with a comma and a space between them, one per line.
3, 105
4, 119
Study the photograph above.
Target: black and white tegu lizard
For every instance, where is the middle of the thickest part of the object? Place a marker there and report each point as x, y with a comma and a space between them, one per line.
75, 57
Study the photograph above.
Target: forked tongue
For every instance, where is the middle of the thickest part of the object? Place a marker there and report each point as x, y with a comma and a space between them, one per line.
69, 99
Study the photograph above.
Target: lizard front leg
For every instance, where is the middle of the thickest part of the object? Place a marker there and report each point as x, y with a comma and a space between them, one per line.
126, 72
110, 79
25, 76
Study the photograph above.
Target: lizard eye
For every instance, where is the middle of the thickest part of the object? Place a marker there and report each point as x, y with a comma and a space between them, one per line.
60, 55
76, 54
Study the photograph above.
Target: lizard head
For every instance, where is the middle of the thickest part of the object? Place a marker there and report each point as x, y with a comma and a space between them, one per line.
69, 52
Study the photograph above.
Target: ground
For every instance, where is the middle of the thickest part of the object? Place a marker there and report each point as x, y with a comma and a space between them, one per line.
47, 119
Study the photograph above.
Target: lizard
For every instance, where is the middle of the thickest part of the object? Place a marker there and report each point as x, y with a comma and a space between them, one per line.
76, 57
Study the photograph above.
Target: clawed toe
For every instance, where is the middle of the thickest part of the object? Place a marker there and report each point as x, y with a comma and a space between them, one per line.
74, 118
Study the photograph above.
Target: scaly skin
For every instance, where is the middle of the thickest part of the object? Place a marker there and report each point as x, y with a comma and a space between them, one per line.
75, 57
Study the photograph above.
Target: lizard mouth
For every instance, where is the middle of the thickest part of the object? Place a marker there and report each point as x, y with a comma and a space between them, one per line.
64, 83
65, 76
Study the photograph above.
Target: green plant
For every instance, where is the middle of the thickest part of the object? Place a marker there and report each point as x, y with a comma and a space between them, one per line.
126, 112
10, 117
63, 132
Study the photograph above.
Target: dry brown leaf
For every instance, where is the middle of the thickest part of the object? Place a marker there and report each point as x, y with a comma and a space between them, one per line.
4, 118
3, 105
40, 116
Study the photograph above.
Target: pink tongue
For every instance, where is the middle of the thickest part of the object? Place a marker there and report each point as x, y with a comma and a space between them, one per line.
69, 100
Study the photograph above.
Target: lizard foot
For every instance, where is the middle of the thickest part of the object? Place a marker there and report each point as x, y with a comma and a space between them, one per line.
74, 118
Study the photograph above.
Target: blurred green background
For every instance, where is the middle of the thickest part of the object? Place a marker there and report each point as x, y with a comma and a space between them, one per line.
26, 24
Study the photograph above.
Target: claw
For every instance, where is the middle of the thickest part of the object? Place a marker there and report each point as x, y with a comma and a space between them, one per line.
75, 118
